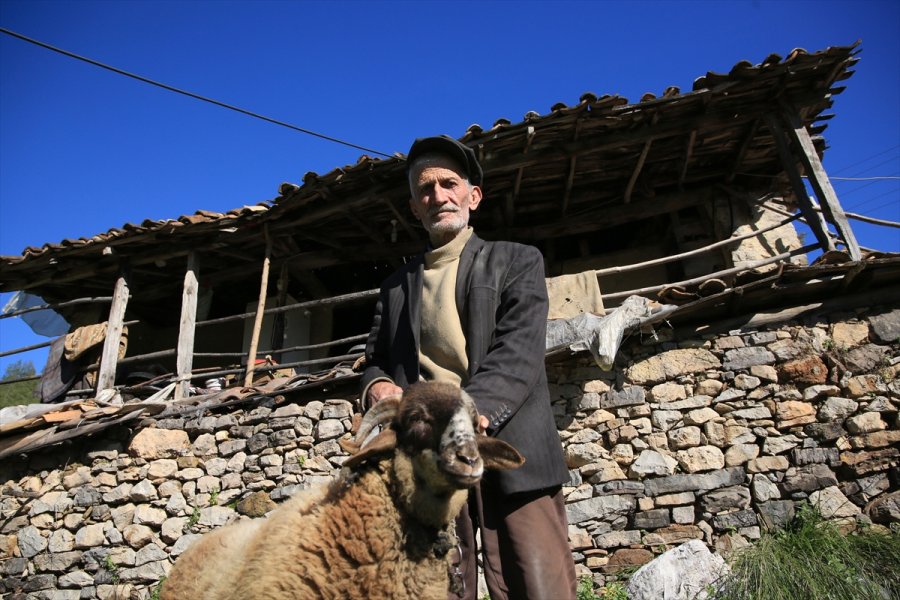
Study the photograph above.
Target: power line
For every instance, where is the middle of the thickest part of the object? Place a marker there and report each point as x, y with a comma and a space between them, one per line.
848, 167
189, 94
885, 177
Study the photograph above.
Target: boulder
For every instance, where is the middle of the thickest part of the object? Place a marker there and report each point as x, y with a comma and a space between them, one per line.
682, 573
809, 370
151, 443
886, 326
671, 365
885, 509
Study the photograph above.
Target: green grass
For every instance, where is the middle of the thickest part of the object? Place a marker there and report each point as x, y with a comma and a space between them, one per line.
812, 559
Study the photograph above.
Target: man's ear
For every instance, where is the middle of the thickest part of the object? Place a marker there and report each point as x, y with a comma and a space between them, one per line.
475, 199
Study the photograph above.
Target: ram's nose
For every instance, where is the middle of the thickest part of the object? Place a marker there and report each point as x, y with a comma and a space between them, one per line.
467, 457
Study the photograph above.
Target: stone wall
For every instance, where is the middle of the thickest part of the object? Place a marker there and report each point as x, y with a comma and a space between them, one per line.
712, 438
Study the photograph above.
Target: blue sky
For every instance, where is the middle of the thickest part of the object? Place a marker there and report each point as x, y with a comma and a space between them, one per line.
83, 150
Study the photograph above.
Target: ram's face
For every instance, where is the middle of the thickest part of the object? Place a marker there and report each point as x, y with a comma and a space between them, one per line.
439, 431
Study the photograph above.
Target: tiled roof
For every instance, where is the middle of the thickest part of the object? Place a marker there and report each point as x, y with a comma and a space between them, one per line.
743, 72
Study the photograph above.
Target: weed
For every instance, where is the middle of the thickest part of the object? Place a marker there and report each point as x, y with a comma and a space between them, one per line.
586, 589
301, 460
112, 568
156, 591
214, 497
194, 518
811, 558
614, 591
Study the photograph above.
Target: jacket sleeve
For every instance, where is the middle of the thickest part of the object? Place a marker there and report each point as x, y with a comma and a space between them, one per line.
515, 358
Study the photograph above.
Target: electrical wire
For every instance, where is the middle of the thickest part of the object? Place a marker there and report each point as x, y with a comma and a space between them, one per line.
189, 94
859, 162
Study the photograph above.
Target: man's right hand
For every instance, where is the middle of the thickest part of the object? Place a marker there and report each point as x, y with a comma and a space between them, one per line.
381, 390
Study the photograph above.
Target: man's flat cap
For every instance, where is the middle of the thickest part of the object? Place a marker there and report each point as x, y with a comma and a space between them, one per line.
447, 146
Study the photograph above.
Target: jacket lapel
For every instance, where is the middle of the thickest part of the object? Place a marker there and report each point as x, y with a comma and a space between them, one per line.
414, 282
464, 277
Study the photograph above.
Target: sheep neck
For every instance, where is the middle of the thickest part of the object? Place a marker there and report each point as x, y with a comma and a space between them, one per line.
423, 494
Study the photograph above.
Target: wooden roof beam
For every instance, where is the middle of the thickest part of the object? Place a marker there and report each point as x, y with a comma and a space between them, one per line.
511, 199
571, 176
819, 181
788, 162
688, 152
629, 189
742, 150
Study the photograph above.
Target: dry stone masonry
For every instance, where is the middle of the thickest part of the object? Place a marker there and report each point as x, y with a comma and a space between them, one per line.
711, 438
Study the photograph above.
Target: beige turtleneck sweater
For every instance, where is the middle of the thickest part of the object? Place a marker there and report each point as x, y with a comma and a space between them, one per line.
442, 343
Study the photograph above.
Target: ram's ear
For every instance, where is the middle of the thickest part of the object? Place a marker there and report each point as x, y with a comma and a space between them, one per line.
383, 443
497, 454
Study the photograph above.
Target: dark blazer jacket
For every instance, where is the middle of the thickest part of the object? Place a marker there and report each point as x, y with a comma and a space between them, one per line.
501, 296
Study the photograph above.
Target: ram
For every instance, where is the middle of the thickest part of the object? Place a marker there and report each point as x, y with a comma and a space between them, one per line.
383, 528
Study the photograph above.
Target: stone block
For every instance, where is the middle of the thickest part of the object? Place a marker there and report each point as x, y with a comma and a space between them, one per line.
776, 514
865, 423
807, 370
684, 437
671, 365
651, 462
673, 534
694, 482
764, 464
728, 498
791, 413
628, 396
701, 458
151, 444
744, 358
651, 519
807, 479
734, 520
832, 503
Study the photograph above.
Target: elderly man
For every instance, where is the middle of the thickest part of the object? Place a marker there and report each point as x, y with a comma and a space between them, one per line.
474, 313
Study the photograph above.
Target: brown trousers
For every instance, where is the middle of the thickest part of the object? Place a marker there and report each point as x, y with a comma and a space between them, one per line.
524, 544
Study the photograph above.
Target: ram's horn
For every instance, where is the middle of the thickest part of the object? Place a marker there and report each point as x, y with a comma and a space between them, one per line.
378, 416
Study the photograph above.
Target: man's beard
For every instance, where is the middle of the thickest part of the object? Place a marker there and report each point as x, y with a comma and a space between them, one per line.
453, 225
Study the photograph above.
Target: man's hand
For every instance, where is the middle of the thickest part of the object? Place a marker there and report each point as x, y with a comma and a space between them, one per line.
381, 390
483, 423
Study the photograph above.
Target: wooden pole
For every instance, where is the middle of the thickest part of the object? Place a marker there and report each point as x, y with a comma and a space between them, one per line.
185, 353
821, 185
813, 219
260, 308
107, 378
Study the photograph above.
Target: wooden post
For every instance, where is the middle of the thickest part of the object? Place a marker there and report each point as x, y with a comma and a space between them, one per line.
260, 307
106, 379
819, 180
185, 355
813, 219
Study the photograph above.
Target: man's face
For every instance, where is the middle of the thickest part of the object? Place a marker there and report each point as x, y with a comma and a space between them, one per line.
441, 198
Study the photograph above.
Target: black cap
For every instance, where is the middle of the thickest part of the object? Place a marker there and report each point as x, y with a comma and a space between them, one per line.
447, 146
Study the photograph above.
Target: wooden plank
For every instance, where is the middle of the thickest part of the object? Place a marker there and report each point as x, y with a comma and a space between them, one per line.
789, 164
629, 189
717, 274
742, 151
56, 305
260, 309
818, 178
688, 152
185, 352
709, 248
110, 355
